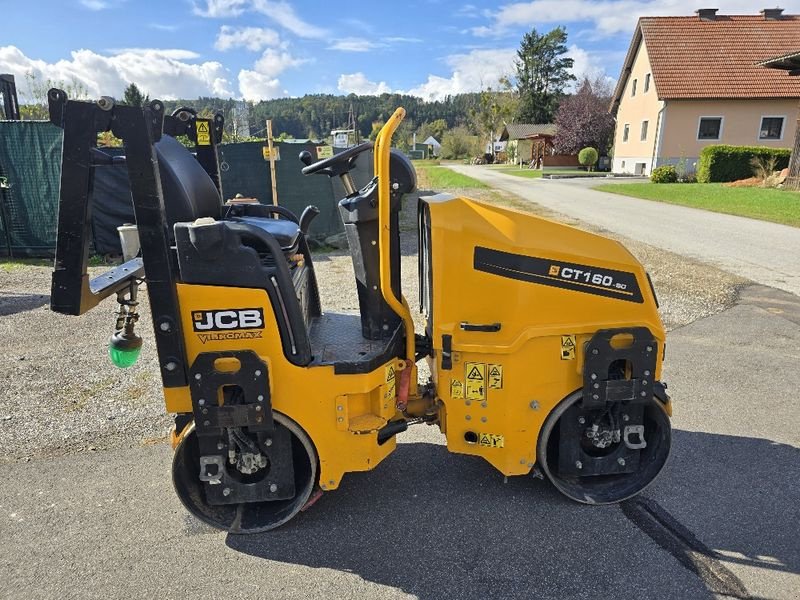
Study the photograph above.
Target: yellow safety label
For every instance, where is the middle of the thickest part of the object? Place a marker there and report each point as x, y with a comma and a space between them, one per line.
567, 347
456, 389
276, 152
324, 151
203, 134
491, 440
391, 382
475, 376
495, 377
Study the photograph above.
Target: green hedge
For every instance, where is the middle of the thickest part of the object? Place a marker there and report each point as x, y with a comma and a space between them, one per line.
721, 162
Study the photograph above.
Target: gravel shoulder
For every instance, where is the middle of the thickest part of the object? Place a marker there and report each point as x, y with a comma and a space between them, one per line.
59, 393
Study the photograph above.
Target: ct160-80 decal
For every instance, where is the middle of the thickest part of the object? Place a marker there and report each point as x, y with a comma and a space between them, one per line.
571, 276
228, 324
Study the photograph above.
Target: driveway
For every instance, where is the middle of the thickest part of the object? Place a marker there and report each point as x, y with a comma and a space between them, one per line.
763, 252
720, 522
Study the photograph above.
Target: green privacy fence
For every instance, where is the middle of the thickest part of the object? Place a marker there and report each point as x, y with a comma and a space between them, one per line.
245, 171
30, 159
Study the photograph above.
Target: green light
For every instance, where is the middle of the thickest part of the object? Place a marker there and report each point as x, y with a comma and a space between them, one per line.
123, 358
124, 347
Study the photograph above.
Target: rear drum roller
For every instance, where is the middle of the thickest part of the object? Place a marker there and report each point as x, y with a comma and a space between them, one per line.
250, 517
603, 487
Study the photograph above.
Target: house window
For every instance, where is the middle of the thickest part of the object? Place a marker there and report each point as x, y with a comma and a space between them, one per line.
771, 128
633, 87
644, 130
710, 128
646, 83
625, 132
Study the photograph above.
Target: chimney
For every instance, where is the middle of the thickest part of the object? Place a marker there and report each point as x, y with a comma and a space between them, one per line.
706, 14
772, 13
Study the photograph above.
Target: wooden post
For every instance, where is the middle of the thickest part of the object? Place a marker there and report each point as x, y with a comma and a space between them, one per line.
793, 179
272, 163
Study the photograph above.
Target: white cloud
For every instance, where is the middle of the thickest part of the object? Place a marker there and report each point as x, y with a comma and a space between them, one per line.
401, 39
272, 63
608, 16
257, 86
586, 64
252, 38
283, 14
279, 11
172, 53
354, 44
94, 4
357, 83
218, 9
470, 73
160, 73
163, 27
261, 82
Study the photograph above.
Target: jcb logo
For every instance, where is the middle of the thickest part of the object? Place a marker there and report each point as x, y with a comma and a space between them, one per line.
226, 320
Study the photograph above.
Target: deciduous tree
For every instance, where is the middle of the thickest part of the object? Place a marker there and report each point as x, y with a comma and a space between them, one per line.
583, 119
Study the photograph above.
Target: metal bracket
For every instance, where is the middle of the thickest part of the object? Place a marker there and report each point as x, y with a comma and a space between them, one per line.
637, 430
205, 381
601, 386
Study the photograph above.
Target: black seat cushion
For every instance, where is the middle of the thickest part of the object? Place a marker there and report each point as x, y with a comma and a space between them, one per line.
189, 193
286, 232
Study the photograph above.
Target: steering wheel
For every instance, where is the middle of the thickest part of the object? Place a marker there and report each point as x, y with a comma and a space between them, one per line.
338, 164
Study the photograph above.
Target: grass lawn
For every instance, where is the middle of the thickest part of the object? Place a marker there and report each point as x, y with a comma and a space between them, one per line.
517, 172
9, 265
773, 205
575, 172
537, 173
434, 177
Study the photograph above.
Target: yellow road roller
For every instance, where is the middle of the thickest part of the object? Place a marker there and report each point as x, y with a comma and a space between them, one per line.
543, 342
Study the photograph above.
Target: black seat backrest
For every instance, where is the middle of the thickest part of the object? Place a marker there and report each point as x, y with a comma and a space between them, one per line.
189, 193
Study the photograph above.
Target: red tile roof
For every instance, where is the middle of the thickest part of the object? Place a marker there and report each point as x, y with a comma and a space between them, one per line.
717, 58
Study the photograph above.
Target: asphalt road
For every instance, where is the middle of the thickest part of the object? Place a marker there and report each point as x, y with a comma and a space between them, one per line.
763, 252
720, 522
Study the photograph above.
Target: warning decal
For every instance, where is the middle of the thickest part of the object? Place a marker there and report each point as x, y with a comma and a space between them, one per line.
495, 377
456, 389
203, 134
491, 440
391, 382
475, 375
567, 347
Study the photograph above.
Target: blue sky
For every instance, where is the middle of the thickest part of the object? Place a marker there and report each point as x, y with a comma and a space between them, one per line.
260, 49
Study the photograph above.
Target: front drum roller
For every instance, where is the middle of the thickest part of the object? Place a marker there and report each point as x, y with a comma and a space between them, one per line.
250, 517
605, 488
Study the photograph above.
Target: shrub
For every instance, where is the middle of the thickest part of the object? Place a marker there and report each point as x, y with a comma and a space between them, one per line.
458, 143
665, 174
721, 162
588, 157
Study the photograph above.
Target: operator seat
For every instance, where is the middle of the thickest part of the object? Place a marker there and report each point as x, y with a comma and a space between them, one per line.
190, 194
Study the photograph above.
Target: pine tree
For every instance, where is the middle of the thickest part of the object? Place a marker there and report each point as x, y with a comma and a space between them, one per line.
134, 97
542, 74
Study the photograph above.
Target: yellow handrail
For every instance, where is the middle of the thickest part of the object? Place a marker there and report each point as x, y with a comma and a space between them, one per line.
383, 147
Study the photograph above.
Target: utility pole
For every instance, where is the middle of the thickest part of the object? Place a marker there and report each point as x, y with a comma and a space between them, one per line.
272, 163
